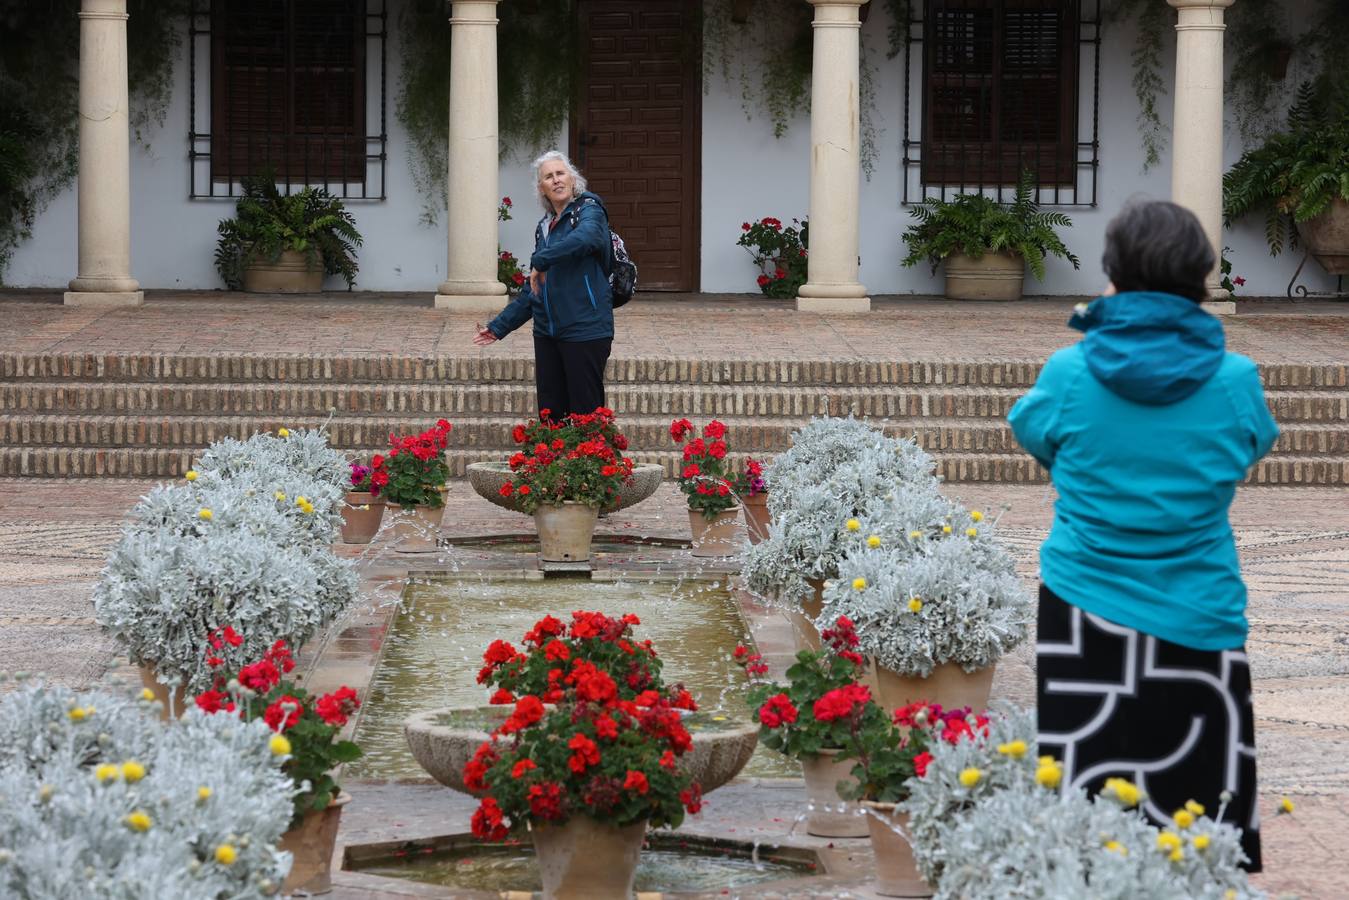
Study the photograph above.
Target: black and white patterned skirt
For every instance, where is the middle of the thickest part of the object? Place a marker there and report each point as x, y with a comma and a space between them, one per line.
1117, 703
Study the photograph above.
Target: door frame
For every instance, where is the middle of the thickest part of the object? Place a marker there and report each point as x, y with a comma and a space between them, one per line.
693, 89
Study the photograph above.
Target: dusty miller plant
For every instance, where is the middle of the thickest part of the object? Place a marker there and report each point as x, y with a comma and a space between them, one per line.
246, 545
926, 582
101, 799
834, 467
1013, 834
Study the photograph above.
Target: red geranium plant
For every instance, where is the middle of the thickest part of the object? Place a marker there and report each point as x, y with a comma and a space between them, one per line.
596, 753
595, 658
750, 482
704, 475
415, 467
780, 253
369, 478
821, 705
892, 749
579, 459
306, 727
508, 266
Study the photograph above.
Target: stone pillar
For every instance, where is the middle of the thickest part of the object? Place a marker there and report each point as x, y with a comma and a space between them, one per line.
1197, 124
835, 162
104, 182
471, 274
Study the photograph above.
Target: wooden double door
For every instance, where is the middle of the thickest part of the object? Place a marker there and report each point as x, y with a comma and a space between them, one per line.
636, 132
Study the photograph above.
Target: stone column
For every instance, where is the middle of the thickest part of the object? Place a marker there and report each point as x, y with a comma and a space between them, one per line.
104, 182
471, 274
1197, 124
835, 164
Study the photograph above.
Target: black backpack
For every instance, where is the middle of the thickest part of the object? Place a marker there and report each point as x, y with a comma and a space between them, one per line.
620, 268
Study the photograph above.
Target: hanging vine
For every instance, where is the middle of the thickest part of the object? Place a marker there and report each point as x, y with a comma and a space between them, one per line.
39, 98
537, 65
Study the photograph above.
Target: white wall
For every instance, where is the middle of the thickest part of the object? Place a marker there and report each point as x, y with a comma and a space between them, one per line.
747, 174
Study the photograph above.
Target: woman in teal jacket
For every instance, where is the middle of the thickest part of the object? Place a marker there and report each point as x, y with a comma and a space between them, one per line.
1146, 426
567, 294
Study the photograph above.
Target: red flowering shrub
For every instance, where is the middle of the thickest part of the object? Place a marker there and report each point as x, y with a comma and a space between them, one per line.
821, 703
370, 478
509, 272
310, 724
416, 467
579, 459
890, 750
780, 253
705, 476
607, 749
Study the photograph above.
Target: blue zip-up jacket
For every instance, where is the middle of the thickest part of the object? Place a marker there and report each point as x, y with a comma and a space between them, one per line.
1146, 426
574, 303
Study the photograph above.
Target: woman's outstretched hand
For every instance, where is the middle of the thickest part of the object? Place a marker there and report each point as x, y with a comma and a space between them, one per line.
484, 337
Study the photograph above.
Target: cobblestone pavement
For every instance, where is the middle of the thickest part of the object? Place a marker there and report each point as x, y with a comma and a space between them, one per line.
677, 326
1295, 554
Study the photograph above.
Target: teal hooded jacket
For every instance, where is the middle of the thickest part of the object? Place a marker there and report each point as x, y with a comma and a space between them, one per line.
1146, 426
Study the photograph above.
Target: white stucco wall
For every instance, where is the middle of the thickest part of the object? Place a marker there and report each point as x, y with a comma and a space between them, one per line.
747, 174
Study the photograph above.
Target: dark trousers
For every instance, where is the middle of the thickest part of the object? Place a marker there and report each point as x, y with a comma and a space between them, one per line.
569, 375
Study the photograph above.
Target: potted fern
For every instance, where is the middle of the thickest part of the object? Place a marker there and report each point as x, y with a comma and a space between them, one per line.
285, 243
986, 245
1299, 179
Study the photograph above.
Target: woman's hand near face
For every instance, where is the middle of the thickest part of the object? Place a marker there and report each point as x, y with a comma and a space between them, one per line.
484, 337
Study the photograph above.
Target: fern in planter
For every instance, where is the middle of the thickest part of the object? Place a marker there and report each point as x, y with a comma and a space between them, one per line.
311, 221
973, 224
1294, 175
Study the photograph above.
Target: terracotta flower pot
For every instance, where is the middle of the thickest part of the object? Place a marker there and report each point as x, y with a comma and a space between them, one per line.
715, 537
896, 872
841, 819
172, 706
361, 514
949, 685
756, 516
417, 530
803, 620
311, 843
565, 531
588, 860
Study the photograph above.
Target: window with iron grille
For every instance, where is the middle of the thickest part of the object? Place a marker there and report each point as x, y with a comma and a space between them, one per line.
290, 90
1001, 88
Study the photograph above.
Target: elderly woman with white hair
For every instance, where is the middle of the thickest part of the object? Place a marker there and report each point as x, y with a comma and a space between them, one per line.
567, 294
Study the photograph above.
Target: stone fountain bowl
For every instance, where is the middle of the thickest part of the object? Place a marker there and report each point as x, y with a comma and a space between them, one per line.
488, 477
444, 740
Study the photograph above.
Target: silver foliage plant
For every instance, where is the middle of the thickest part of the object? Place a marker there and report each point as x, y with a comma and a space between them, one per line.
938, 587
248, 545
833, 469
69, 829
1013, 834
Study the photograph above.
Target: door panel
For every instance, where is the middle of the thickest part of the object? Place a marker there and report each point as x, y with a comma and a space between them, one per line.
635, 134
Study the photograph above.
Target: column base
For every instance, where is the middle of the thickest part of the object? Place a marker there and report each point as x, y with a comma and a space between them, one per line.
833, 304
493, 303
1219, 307
105, 299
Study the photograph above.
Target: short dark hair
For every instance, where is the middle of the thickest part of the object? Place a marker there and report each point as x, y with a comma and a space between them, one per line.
1158, 246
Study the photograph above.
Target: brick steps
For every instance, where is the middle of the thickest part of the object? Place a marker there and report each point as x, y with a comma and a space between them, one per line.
148, 415
368, 433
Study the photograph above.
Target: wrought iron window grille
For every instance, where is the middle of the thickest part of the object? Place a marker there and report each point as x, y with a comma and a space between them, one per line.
295, 87
993, 88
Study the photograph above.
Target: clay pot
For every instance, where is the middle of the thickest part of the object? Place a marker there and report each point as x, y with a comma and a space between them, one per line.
565, 531
993, 276
1327, 237
171, 706
416, 530
311, 843
588, 860
756, 516
292, 273
823, 773
949, 685
361, 514
896, 872
803, 620
715, 537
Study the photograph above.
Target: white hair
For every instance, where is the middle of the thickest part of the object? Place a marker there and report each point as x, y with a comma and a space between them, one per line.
578, 180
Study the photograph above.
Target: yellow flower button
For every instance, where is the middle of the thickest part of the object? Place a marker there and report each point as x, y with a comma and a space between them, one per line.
976, 515
280, 745
1285, 805
1201, 842
854, 525
1015, 749
283, 432
915, 535
1117, 847
205, 513
946, 529
1048, 774
226, 855
915, 605
873, 541
859, 584
1183, 818
191, 475
1194, 807
132, 771
138, 821
204, 793
147, 694
971, 532
107, 773
970, 777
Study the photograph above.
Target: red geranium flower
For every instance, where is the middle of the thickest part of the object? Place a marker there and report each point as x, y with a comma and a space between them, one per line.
487, 821
260, 676
284, 713
636, 781
336, 707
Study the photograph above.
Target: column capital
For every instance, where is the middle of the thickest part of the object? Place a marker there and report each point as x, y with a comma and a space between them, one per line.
1201, 4
844, 2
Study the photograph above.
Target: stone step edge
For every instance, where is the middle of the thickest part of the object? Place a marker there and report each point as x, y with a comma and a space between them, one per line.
191, 368
954, 467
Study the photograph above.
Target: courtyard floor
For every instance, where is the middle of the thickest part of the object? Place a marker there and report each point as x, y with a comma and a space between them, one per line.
1294, 543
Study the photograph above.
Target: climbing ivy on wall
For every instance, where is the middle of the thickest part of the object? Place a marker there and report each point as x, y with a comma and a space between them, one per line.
39, 98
